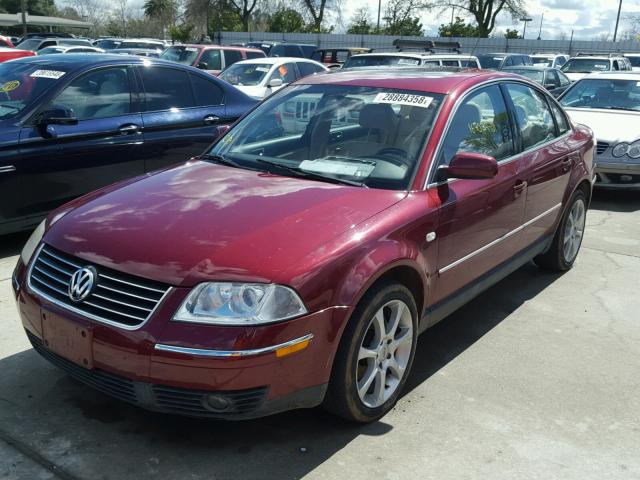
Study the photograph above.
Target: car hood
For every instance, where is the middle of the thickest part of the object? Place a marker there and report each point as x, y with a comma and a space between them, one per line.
608, 125
253, 91
203, 221
575, 75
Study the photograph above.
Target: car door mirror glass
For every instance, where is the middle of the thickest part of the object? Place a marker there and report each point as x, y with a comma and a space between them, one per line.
275, 82
471, 166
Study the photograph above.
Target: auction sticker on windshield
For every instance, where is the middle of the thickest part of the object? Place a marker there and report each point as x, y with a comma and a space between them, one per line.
55, 74
403, 99
9, 86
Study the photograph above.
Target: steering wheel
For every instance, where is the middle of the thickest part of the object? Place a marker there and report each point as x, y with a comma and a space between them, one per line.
395, 155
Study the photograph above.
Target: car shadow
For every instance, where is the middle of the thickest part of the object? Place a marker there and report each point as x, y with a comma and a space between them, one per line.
12, 243
625, 201
94, 436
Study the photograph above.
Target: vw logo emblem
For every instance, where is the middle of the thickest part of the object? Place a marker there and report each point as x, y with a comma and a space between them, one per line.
81, 284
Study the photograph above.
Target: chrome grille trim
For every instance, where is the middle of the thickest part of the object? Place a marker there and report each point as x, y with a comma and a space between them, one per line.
118, 299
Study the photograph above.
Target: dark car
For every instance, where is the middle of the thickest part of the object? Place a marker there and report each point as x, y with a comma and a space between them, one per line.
38, 43
551, 78
284, 49
140, 52
72, 123
335, 57
212, 58
289, 271
498, 61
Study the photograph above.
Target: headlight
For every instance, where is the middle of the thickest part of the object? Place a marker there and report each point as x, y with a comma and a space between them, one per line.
634, 150
620, 150
32, 243
222, 303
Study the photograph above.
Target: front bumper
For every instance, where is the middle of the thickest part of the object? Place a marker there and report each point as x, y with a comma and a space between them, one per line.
196, 370
617, 174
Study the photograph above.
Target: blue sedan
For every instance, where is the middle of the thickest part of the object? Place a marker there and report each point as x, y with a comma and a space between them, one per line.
70, 124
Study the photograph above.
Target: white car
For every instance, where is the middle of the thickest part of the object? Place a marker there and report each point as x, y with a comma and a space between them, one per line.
609, 103
411, 59
582, 65
260, 77
634, 59
69, 49
553, 60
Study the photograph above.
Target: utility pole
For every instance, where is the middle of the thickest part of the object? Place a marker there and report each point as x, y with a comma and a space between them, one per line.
23, 7
540, 30
525, 20
615, 32
378, 24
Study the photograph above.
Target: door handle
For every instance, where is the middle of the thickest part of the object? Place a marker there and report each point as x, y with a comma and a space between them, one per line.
519, 187
128, 129
210, 120
566, 164
7, 169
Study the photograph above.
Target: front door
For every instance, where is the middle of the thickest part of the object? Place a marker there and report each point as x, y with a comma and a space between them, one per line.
479, 219
61, 162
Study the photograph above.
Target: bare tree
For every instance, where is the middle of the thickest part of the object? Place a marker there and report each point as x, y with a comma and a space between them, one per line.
485, 12
123, 13
92, 11
244, 9
317, 10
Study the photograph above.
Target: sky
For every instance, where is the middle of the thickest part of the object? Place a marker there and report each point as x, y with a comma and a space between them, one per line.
590, 19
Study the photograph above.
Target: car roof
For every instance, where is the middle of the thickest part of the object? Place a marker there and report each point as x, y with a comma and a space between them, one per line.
528, 67
614, 75
206, 46
419, 79
597, 57
503, 54
277, 60
77, 61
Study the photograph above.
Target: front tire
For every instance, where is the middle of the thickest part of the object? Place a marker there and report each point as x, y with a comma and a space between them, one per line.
568, 238
375, 355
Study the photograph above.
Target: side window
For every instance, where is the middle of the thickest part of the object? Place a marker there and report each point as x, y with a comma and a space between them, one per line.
480, 125
251, 54
207, 92
532, 114
292, 51
615, 65
165, 88
285, 72
564, 81
561, 119
99, 94
231, 57
49, 43
552, 79
342, 56
450, 63
277, 51
307, 68
508, 62
317, 55
212, 58
561, 60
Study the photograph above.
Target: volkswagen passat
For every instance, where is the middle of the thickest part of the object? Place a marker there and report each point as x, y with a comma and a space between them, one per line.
282, 271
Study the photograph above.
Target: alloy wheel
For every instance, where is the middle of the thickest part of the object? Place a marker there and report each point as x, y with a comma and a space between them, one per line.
384, 353
574, 231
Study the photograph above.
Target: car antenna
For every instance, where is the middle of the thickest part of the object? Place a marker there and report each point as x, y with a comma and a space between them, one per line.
473, 50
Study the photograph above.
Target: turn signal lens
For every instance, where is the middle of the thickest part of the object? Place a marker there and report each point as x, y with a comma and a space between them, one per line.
284, 351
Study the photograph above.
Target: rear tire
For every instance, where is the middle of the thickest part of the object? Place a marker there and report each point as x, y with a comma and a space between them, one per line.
568, 238
375, 355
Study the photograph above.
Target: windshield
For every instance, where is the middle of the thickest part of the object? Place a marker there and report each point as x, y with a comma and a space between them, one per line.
373, 137
247, 74
30, 44
542, 61
184, 55
603, 93
22, 83
585, 65
48, 50
145, 45
379, 60
535, 75
107, 44
490, 61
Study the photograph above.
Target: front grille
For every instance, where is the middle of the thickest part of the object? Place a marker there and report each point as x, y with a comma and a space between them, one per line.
601, 147
192, 402
114, 385
117, 298
162, 398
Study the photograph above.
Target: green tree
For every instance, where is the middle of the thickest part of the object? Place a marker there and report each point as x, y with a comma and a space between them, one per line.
287, 20
244, 9
34, 7
316, 10
361, 23
181, 33
512, 34
163, 10
459, 28
400, 18
484, 12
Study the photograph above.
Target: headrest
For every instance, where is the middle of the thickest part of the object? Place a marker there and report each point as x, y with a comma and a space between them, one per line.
377, 115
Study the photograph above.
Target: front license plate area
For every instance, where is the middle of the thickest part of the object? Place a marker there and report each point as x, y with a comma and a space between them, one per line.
68, 339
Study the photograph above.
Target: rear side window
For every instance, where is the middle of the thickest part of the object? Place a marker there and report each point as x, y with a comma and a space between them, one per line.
317, 55
480, 125
278, 51
561, 119
533, 115
286, 73
206, 92
231, 57
308, 68
165, 88
46, 44
342, 56
212, 58
450, 63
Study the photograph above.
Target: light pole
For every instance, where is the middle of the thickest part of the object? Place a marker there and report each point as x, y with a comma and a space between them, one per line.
525, 20
540, 30
378, 24
615, 32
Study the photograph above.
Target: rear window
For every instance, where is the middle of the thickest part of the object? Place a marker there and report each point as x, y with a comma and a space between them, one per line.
181, 54
490, 61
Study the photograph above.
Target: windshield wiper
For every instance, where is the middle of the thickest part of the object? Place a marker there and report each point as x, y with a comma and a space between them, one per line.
220, 159
298, 172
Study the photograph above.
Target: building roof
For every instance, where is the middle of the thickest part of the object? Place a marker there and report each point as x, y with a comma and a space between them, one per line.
13, 19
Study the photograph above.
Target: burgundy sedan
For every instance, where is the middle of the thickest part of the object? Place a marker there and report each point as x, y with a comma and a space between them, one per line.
297, 261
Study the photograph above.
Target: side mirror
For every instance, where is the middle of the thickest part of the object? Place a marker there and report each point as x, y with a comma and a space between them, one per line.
203, 66
472, 166
275, 82
56, 116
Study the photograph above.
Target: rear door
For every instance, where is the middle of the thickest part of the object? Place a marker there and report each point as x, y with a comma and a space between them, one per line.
106, 145
479, 219
547, 157
181, 115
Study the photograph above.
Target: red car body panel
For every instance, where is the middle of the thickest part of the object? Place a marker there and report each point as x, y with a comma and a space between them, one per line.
202, 48
13, 53
206, 222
